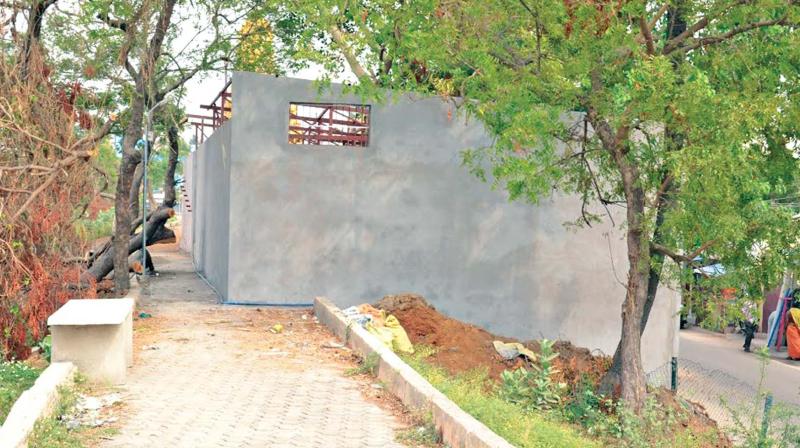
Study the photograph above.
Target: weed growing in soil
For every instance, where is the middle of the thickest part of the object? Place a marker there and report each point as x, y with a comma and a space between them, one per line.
779, 428
534, 389
46, 347
520, 427
368, 365
50, 432
423, 433
15, 378
53, 432
580, 418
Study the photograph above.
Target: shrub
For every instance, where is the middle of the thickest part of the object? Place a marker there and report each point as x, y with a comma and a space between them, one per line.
471, 392
46, 347
534, 389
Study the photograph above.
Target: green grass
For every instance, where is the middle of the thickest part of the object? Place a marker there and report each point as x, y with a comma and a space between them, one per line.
15, 378
520, 428
51, 432
422, 434
368, 365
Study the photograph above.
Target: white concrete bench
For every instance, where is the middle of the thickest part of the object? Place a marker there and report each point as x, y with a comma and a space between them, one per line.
96, 335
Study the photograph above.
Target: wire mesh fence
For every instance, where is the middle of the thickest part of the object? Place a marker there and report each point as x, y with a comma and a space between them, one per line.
724, 397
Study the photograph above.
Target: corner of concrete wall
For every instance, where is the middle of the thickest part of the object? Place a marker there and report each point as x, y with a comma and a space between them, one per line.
211, 197
403, 215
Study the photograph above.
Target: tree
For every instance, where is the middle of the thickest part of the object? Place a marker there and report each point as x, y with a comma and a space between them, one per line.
137, 50
673, 112
256, 52
48, 141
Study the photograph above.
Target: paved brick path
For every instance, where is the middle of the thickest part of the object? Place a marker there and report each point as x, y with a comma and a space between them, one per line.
214, 376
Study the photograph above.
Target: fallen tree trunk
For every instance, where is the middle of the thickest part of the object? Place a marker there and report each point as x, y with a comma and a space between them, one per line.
104, 262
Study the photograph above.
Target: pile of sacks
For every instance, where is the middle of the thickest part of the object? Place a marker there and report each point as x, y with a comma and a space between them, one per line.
386, 328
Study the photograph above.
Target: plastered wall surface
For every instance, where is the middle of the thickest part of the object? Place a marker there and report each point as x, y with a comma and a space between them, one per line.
211, 208
402, 215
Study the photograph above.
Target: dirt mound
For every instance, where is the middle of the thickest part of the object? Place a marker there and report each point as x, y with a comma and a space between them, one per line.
463, 347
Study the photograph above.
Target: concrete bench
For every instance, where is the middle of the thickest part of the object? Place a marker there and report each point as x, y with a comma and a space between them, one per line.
96, 335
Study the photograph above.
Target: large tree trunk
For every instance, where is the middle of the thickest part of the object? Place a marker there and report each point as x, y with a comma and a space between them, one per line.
611, 381
609, 385
633, 388
632, 378
133, 197
106, 262
35, 18
122, 221
172, 165
131, 157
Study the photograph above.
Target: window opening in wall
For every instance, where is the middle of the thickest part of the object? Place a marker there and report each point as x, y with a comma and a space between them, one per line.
329, 124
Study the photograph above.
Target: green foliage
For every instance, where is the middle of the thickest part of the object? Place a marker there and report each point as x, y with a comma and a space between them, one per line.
657, 425
591, 411
694, 133
51, 432
422, 434
101, 226
597, 420
520, 427
107, 161
782, 422
367, 366
534, 389
15, 378
46, 347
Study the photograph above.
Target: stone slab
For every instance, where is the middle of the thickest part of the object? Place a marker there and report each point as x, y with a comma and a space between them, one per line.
96, 335
92, 312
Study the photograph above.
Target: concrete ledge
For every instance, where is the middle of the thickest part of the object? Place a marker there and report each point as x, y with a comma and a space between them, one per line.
35, 403
459, 429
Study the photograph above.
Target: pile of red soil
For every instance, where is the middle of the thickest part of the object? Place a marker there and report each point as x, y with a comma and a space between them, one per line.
463, 347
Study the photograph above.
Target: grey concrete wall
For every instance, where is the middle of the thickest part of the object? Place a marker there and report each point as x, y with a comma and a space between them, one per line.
186, 230
403, 215
210, 174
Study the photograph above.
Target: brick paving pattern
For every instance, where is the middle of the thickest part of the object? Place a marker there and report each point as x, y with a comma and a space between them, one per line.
208, 375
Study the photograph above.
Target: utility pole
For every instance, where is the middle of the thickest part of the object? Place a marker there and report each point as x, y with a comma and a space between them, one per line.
148, 137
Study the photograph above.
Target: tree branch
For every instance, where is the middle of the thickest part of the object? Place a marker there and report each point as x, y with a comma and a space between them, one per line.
678, 258
674, 43
711, 40
114, 23
341, 41
648, 36
660, 13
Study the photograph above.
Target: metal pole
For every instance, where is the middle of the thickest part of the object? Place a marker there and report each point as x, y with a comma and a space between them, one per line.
147, 137
144, 193
765, 421
674, 382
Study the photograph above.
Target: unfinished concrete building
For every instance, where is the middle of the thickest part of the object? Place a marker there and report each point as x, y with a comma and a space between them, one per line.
299, 194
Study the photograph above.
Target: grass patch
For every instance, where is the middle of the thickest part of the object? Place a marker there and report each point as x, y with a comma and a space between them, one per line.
581, 418
521, 428
422, 434
15, 378
51, 432
368, 365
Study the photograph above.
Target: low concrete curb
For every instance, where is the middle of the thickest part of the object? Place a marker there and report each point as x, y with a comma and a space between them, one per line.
35, 403
459, 429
